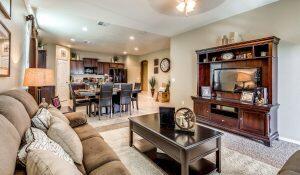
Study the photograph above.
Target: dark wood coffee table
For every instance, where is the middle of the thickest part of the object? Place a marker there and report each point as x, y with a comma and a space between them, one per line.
182, 152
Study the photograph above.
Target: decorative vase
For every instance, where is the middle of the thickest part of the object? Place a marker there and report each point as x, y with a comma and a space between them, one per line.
152, 92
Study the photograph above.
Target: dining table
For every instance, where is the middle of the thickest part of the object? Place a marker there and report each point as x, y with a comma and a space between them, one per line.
93, 92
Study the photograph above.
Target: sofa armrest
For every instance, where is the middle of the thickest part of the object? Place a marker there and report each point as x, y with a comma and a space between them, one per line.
292, 166
76, 119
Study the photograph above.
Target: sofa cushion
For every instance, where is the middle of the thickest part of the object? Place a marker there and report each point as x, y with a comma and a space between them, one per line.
76, 118
65, 136
41, 142
288, 172
292, 164
41, 120
46, 163
57, 113
26, 99
86, 131
111, 168
10, 141
15, 112
96, 153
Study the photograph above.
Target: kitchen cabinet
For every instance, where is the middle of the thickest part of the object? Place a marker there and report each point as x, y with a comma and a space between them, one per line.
77, 67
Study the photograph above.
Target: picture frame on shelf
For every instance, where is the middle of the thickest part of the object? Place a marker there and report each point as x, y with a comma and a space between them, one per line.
5, 8
206, 91
261, 96
247, 97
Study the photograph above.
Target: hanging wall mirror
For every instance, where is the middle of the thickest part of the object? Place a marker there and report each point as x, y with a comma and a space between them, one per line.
5, 40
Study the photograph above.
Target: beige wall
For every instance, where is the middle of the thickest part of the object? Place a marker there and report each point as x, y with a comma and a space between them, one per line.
161, 77
19, 46
280, 19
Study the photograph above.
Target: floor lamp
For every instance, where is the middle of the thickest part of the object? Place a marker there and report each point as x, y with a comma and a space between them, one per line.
38, 77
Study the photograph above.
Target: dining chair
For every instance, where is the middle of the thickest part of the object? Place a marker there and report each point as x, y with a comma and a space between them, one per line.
134, 97
125, 97
104, 99
79, 101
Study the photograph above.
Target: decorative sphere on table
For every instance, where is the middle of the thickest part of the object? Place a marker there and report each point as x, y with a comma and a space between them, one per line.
185, 120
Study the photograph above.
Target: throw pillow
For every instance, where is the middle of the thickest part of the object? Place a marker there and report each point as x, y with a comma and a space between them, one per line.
41, 120
46, 163
37, 140
57, 113
67, 138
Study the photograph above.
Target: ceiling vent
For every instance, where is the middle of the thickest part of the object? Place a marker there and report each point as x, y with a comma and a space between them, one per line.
104, 24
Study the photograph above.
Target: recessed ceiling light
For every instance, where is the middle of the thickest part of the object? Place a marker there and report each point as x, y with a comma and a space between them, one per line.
72, 39
84, 29
132, 38
125, 53
136, 48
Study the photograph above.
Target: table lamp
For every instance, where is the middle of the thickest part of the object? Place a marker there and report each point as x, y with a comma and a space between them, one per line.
38, 77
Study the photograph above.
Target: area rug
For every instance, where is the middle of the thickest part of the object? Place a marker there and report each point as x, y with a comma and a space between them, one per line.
233, 162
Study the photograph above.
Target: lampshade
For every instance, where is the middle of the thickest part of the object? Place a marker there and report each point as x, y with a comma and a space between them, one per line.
39, 77
243, 77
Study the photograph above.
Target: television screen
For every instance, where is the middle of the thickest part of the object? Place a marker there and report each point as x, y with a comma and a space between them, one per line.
236, 80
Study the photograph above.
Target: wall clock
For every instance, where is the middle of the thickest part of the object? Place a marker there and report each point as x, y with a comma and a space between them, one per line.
165, 65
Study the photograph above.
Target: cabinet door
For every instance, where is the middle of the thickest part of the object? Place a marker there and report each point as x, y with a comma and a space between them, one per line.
106, 68
80, 67
100, 68
87, 62
113, 65
201, 109
253, 122
94, 63
73, 67
120, 66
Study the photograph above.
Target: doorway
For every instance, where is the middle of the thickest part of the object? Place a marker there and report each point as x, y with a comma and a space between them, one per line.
144, 75
63, 79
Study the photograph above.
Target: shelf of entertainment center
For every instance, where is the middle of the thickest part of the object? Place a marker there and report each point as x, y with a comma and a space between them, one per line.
235, 103
235, 60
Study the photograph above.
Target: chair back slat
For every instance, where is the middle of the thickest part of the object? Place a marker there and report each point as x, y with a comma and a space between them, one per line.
125, 95
105, 95
137, 86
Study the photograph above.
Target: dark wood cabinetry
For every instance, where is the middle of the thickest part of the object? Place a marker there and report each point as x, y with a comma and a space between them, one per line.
106, 68
77, 67
100, 68
90, 62
47, 92
224, 110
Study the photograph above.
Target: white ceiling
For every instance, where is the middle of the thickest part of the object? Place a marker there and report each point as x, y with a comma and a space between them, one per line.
61, 20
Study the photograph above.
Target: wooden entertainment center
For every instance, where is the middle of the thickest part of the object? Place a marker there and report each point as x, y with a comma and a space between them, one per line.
258, 122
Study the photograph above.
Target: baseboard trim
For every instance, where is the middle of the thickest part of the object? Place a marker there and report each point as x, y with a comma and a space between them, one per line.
289, 140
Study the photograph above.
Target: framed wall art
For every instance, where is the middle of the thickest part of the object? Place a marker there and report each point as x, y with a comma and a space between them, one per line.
5, 51
156, 62
5, 8
155, 70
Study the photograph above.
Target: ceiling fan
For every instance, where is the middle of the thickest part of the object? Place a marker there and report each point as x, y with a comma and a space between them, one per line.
184, 7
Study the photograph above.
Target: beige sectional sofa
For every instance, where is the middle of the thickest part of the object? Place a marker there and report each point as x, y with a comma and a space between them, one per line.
17, 107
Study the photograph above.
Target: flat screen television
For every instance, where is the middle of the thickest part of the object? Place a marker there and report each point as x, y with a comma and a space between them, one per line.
236, 79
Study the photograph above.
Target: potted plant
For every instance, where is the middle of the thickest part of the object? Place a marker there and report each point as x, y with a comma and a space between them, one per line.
73, 55
152, 83
115, 59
